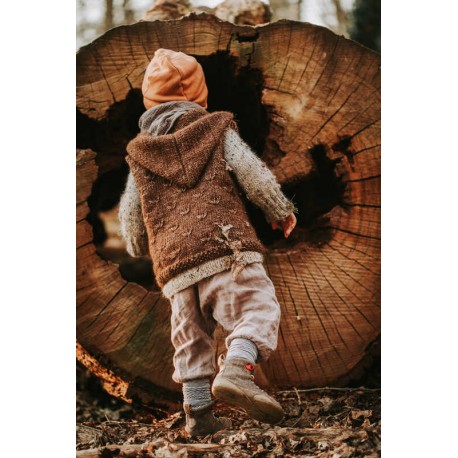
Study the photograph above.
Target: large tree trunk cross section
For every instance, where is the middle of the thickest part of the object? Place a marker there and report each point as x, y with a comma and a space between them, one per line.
308, 102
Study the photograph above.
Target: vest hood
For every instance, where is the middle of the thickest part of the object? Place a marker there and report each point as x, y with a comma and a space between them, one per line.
181, 156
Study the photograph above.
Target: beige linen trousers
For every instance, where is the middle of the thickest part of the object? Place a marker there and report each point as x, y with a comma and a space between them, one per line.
245, 306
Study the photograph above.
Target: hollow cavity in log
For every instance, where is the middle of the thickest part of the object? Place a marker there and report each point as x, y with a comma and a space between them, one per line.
233, 88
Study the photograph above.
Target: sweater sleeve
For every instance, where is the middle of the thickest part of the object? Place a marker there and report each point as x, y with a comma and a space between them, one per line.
255, 178
132, 229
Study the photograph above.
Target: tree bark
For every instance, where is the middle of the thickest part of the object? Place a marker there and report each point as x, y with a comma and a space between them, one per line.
244, 12
128, 12
308, 102
108, 14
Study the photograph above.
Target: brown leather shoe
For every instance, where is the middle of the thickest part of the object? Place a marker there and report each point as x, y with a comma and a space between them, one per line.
200, 421
234, 384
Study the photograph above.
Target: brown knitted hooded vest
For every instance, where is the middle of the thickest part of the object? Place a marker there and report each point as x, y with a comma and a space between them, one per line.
192, 205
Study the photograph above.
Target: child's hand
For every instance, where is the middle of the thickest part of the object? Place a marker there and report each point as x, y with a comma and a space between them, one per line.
286, 225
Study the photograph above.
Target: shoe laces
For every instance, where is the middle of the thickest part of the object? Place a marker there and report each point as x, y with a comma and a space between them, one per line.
251, 375
250, 368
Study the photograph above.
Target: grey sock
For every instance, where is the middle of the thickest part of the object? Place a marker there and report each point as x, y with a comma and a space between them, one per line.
243, 348
197, 392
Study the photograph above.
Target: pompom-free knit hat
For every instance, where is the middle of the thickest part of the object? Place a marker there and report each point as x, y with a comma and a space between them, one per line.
172, 76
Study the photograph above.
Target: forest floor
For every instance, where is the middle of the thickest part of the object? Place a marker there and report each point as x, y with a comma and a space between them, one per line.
326, 423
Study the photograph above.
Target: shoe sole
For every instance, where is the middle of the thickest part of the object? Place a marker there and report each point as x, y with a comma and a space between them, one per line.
262, 411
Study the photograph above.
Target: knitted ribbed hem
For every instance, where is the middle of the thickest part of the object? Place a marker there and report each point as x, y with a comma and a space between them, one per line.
197, 392
244, 349
277, 206
191, 276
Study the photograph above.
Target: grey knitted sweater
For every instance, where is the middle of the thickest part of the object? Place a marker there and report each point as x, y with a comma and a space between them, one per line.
257, 181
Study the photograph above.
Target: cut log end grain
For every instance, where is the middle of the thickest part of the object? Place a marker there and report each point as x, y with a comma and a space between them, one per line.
308, 102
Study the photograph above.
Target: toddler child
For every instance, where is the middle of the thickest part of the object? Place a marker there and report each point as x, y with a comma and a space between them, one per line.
183, 205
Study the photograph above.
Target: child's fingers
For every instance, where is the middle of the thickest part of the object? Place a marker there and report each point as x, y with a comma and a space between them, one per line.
286, 229
289, 225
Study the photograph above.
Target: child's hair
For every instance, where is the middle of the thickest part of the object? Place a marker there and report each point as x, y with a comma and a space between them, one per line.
172, 76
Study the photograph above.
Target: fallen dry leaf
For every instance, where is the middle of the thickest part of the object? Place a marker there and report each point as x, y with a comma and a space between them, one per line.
355, 414
338, 424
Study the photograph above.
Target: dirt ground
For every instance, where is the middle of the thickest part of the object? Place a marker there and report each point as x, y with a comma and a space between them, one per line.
327, 423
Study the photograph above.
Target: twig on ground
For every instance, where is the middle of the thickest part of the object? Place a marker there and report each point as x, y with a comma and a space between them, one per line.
328, 388
125, 422
298, 396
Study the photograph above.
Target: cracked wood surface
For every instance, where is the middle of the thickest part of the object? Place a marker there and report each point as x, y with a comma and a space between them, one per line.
121, 327
318, 89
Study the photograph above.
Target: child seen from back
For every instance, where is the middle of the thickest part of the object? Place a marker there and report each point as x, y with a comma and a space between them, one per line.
183, 205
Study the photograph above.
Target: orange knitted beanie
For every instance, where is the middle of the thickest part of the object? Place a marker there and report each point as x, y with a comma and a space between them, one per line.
172, 76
